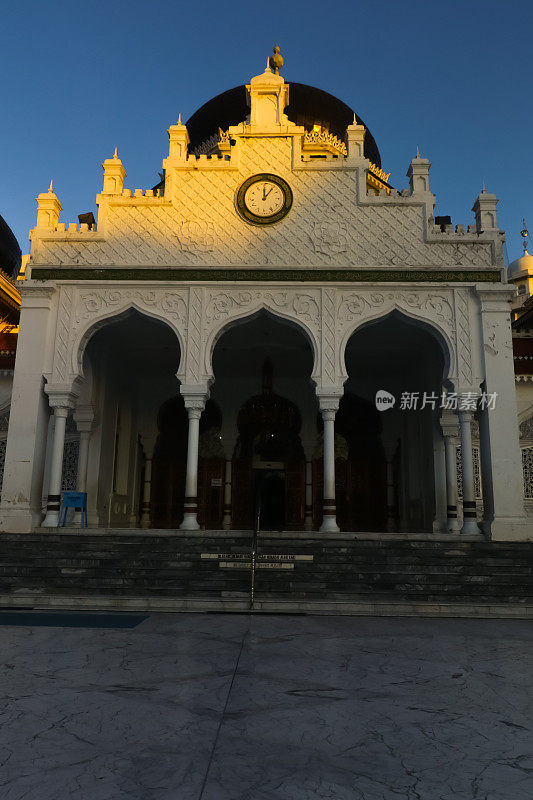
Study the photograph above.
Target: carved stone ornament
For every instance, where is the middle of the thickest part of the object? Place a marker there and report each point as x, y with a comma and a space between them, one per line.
355, 305
329, 237
93, 302
526, 429
80, 308
223, 305
195, 237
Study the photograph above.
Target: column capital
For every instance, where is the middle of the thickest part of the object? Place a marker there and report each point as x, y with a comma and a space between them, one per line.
61, 410
449, 425
84, 418
194, 396
64, 394
194, 411
465, 415
496, 297
62, 401
328, 400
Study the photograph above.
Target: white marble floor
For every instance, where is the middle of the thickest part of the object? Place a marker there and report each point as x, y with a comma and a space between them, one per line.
212, 707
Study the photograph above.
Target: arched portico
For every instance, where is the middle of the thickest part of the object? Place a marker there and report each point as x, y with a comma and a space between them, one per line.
262, 367
398, 364
130, 361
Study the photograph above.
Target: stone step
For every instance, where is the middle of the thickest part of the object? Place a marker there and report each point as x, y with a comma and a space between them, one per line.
341, 570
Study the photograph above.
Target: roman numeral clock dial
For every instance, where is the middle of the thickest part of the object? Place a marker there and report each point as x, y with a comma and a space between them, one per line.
263, 199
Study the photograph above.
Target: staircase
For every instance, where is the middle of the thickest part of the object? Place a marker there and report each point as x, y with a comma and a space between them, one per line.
169, 570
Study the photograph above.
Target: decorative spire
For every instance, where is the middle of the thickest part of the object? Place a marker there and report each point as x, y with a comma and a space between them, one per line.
51, 189
276, 61
484, 189
524, 233
115, 154
417, 152
179, 118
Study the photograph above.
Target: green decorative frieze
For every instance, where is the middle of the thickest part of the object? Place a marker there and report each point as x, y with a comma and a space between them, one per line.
184, 275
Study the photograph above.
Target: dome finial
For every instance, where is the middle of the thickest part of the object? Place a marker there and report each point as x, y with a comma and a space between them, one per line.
51, 189
417, 152
524, 233
276, 61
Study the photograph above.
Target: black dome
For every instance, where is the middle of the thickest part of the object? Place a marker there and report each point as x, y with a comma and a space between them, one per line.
307, 106
10, 253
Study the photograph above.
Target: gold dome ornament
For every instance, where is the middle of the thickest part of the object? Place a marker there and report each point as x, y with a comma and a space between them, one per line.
276, 61
524, 233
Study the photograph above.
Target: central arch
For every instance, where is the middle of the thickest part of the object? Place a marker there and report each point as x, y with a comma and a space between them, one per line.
262, 367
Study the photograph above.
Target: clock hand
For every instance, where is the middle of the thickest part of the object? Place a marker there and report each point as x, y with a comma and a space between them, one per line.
266, 195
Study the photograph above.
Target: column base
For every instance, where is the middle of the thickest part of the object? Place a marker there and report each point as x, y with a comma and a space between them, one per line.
470, 525
511, 529
329, 525
190, 523
145, 521
51, 520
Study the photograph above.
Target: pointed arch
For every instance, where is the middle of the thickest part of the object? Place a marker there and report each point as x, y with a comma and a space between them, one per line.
438, 332
275, 314
86, 333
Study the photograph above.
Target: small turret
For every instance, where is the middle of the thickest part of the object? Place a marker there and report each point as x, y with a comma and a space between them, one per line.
268, 96
418, 174
178, 141
114, 174
355, 135
48, 208
485, 212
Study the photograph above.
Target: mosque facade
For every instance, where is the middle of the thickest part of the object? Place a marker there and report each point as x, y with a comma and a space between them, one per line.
271, 336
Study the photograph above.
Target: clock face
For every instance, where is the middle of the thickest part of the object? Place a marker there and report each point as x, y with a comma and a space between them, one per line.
263, 199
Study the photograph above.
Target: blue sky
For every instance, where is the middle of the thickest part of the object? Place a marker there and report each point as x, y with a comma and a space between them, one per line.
453, 78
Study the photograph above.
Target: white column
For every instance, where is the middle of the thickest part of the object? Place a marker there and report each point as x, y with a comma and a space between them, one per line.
450, 431
56, 469
84, 425
439, 468
503, 488
83, 460
194, 410
308, 519
469, 495
329, 405
226, 522
84, 419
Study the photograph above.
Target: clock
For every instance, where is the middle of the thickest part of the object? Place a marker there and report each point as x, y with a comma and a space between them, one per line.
263, 199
